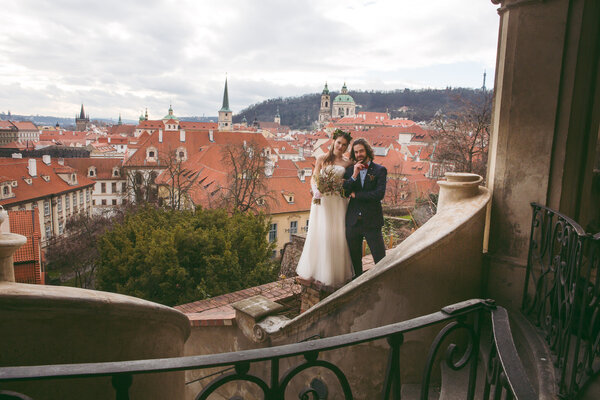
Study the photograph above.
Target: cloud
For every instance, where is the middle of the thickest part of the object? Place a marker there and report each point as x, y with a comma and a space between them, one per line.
121, 57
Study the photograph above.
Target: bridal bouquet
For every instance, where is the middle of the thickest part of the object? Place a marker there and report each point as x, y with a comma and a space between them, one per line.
327, 183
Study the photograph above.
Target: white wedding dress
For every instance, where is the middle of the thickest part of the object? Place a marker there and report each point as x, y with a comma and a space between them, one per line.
325, 256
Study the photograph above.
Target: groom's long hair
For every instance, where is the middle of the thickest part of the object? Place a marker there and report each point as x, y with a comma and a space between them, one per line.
367, 146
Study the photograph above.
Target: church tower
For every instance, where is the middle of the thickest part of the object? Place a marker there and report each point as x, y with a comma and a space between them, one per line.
81, 121
225, 114
325, 110
277, 118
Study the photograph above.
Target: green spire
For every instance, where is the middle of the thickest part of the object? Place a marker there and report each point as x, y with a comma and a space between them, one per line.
325, 89
225, 99
120, 122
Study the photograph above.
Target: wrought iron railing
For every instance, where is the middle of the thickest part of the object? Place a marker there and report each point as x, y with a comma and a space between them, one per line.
562, 295
505, 377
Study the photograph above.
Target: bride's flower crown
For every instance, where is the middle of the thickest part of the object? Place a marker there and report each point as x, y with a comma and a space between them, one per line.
346, 135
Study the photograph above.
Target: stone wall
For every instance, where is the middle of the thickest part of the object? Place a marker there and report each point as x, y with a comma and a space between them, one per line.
291, 255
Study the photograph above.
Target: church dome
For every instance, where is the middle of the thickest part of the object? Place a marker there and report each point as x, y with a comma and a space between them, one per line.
343, 98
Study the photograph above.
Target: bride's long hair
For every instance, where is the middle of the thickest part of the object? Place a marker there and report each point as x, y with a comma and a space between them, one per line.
336, 134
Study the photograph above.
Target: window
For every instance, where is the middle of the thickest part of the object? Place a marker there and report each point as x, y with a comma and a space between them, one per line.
5, 190
67, 202
114, 202
113, 187
293, 228
80, 197
181, 154
59, 204
116, 172
151, 154
61, 228
46, 208
87, 196
74, 200
103, 202
103, 187
272, 233
93, 202
48, 232
92, 171
124, 201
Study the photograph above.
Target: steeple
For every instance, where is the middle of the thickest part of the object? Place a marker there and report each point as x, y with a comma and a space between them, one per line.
225, 114
82, 113
120, 122
146, 114
483, 87
344, 89
325, 89
225, 99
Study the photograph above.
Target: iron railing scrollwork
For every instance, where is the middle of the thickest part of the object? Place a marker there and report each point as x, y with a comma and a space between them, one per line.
505, 377
562, 295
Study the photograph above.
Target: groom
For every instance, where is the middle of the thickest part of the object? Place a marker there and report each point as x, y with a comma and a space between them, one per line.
364, 183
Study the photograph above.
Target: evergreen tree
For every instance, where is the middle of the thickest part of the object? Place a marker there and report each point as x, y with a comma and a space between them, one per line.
174, 257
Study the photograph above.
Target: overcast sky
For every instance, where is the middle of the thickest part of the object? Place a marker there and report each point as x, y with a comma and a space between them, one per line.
123, 56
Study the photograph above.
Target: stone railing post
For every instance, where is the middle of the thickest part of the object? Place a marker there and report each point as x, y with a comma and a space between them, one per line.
456, 187
9, 243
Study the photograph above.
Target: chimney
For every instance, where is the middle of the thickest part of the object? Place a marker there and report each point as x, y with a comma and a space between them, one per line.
46, 159
17, 155
211, 136
61, 161
160, 136
32, 167
182, 135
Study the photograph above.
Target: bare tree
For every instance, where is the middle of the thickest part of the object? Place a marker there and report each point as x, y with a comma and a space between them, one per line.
396, 189
177, 179
75, 255
464, 135
246, 187
140, 185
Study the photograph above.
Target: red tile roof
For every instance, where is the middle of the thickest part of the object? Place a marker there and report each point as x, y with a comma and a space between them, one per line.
104, 166
27, 259
17, 169
124, 129
194, 140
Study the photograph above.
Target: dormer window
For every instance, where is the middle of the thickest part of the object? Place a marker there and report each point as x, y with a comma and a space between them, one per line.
92, 171
260, 202
46, 178
116, 172
28, 181
5, 190
151, 154
181, 154
74, 178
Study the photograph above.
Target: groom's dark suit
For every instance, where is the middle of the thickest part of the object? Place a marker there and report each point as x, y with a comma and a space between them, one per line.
364, 217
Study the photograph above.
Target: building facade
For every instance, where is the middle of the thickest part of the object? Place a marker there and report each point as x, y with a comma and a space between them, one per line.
55, 189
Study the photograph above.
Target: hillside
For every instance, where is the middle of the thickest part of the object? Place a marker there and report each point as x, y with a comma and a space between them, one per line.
300, 112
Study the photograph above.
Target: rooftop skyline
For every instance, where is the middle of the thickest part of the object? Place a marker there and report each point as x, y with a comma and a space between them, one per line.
123, 57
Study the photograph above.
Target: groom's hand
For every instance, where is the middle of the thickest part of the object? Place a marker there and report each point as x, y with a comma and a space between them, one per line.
352, 195
357, 168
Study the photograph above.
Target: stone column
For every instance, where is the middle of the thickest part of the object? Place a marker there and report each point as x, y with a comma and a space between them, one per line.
543, 72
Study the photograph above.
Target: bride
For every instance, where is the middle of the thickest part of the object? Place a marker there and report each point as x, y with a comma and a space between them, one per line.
326, 257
